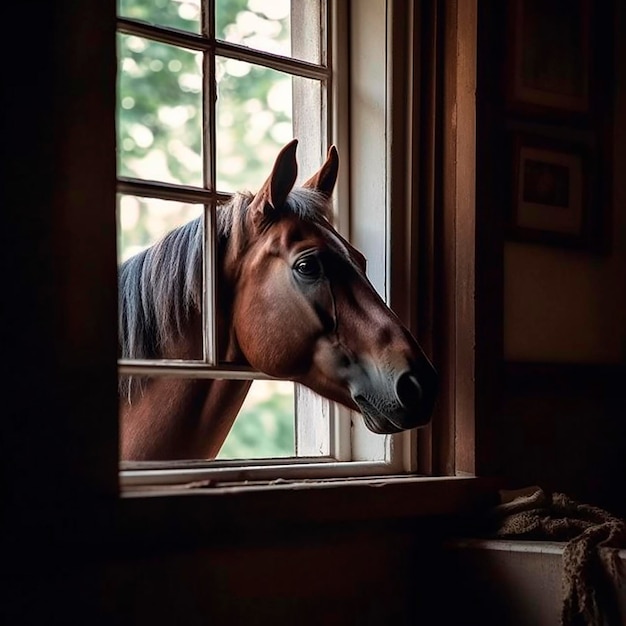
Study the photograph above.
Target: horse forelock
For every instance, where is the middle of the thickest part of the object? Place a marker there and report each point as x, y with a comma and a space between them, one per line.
234, 227
308, 204
304, 203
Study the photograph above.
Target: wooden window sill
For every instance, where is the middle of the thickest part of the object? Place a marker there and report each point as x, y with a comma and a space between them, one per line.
218, 510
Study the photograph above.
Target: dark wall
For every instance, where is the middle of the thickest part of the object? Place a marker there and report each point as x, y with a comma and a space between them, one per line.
557, 314
562, 427
340, 574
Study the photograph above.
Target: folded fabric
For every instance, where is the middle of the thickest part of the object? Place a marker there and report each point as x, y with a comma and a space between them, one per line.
591, 564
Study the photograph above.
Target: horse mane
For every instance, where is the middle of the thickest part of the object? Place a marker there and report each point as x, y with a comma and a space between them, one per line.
161, 286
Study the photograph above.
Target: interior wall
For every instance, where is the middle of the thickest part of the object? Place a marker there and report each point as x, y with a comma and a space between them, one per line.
567, 306
562, 428
558, 411
337, 574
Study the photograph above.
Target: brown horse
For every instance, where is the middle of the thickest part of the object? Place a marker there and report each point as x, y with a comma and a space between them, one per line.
294, 302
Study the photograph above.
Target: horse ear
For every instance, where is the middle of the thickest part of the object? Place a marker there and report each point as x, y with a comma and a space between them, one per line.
325, 178
280, 182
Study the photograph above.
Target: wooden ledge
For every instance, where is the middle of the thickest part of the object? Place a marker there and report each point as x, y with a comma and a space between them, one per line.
236, 510
511, 545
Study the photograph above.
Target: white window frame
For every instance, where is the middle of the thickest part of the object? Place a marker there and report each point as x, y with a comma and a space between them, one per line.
362, 127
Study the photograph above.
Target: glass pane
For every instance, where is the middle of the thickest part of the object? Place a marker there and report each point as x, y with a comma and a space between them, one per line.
272, 26
141, 222
264, 427
159, 112
265, 424
255, 119
156, 292
181, 14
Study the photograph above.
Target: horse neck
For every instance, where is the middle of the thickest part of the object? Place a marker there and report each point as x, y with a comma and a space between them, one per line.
182, 418
178, 419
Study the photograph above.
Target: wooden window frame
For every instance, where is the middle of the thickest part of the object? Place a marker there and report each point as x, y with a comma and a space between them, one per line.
374, 117
316, 410
63, 235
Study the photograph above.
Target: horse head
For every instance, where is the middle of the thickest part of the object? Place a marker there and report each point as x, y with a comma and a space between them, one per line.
304, 309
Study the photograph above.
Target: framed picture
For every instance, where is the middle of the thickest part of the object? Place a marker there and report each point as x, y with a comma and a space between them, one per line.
549, 56
551, 193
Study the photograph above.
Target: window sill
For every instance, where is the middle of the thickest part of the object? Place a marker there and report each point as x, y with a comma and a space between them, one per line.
220, 510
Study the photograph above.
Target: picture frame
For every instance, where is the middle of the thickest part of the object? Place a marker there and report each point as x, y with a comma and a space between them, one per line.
549, 64
552, 182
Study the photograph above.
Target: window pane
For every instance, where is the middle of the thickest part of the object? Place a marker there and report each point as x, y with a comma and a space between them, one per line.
255, 118
265, 424
159, 113
272, 26
260, 24
157, 289
264, 427
143, 221
181, 14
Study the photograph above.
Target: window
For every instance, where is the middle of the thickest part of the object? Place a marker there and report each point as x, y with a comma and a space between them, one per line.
61, 234
252, 75
361, 99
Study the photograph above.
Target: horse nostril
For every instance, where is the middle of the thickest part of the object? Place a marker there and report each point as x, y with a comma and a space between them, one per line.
409, 391
344, 361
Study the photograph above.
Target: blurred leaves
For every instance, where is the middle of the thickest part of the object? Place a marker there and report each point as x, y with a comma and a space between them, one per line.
160, 94
265, 425
159, 112
181, 14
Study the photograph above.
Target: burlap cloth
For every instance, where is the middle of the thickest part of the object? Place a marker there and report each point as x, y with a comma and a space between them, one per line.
591, 565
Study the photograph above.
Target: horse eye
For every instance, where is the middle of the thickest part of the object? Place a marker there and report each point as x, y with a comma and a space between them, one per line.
309, 267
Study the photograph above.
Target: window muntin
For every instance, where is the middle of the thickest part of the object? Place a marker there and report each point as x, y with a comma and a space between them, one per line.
187, 118
336, 435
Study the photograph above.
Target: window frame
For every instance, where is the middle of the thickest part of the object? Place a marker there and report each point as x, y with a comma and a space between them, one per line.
209, 196
376, 70
63, 243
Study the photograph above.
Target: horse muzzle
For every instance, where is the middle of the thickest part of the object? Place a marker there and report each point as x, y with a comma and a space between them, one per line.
392, 401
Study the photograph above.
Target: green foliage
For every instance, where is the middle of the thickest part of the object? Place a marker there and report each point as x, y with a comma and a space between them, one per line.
160, 94
163, 13
262, 429
226, 12
160, 113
